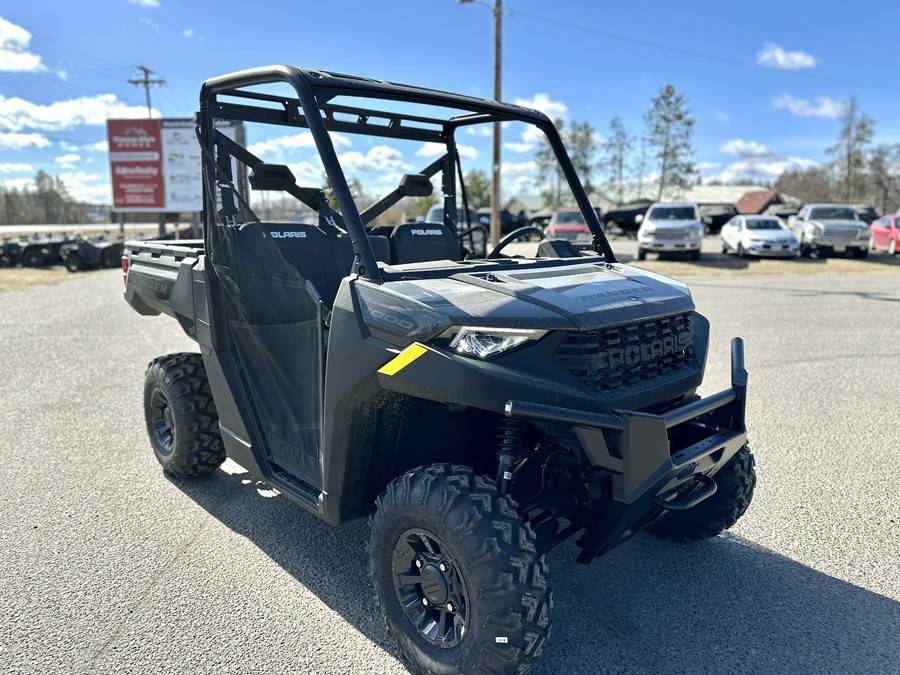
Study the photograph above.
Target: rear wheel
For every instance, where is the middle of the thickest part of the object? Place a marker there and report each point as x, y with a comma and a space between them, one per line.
74, 262
181, 416
456, 574
741, 252
736, 481
642, 253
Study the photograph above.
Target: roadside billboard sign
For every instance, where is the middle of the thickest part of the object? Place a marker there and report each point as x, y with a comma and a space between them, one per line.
154, 164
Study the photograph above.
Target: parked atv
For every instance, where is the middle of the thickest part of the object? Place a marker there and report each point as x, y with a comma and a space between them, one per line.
92, 253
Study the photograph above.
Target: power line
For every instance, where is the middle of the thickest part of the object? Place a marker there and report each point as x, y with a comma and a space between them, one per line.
674, 49
146, 82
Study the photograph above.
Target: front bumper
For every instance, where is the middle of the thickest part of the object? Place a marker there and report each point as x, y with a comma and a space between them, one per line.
836, 246
773, 249
666, 245
652, 456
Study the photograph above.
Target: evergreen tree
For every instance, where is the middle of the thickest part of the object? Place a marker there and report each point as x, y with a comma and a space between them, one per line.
670, 128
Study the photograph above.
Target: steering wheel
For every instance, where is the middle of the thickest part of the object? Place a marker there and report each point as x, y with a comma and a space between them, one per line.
512, 236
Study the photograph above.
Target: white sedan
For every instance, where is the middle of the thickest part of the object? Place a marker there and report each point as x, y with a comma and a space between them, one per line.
758, 235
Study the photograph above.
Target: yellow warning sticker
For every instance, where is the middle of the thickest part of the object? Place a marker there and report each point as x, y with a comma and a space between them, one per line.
403, 359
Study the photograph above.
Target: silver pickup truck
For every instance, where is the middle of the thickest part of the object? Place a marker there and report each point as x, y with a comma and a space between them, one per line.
823, 229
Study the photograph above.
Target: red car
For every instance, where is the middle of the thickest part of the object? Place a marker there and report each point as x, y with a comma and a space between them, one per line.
885, 234
568, 224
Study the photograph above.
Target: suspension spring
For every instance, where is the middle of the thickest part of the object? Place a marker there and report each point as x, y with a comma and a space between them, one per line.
509, 445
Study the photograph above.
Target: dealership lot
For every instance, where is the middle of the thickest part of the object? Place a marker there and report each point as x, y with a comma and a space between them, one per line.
108, 566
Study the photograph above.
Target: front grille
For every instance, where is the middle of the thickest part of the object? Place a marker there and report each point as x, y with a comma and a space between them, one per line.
841, 235
671, 234
609, 358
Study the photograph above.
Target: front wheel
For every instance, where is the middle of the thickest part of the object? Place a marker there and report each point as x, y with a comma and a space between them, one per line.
892, 247
456, 574
181, 416
642, 254
736, 482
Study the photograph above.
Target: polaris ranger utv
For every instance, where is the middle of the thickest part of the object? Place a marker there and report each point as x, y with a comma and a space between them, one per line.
479, 410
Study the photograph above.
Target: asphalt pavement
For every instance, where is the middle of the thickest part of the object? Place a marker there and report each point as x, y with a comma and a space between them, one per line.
109, 566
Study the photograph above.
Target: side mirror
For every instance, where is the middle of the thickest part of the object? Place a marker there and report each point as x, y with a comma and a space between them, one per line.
707, 220
415, 185
271, 177
638, 219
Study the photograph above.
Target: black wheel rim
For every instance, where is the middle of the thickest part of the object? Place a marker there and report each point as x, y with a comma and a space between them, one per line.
430, 588
162, 420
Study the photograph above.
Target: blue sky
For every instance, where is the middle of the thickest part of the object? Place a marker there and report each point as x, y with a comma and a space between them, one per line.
766, 81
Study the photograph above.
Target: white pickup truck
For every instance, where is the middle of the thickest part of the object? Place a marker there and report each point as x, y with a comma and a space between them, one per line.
823, 229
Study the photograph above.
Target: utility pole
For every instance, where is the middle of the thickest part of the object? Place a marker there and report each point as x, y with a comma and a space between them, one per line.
497, 10
146, 82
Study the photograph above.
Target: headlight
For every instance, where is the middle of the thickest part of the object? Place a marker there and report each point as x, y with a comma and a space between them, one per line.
485, 342
399, 315
648, 229
813, 230
863, 234
695, 227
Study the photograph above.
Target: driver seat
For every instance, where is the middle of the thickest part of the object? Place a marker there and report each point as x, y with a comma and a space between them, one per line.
424, 242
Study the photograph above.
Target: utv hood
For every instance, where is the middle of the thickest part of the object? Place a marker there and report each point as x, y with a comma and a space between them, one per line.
581, 297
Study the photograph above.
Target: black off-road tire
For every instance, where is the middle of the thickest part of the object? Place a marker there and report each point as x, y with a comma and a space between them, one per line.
445, 516
860, 253
181, 416
74, 262
34, 259
736, 481
642, 253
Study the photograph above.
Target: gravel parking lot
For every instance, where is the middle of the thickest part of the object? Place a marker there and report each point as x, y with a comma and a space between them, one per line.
108, 566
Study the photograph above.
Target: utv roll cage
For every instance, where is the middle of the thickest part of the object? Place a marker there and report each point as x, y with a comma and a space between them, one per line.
230, 98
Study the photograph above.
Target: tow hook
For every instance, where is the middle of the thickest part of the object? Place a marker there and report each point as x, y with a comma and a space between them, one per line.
691, 500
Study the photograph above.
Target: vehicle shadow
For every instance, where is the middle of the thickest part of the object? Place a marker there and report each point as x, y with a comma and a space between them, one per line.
650, 606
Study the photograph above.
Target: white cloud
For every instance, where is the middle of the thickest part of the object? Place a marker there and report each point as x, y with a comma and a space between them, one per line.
283, 144
823, 106
19, 184
378, 158
14, 54
87, 187
740, 148
553, 109
773, 56
17, 114
100, 146
188, 33
148, 22
67, 161
518, 168
437, 149
15, 168
145, 3
307, 173
721, 116
19, 141
518, 147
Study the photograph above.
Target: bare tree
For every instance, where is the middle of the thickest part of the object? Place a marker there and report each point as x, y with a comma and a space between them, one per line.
615, 152
857, 130
670, 129
884, 171
810, 185
581, 146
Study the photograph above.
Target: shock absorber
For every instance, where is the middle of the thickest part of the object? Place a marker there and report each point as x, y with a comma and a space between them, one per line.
509, 445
